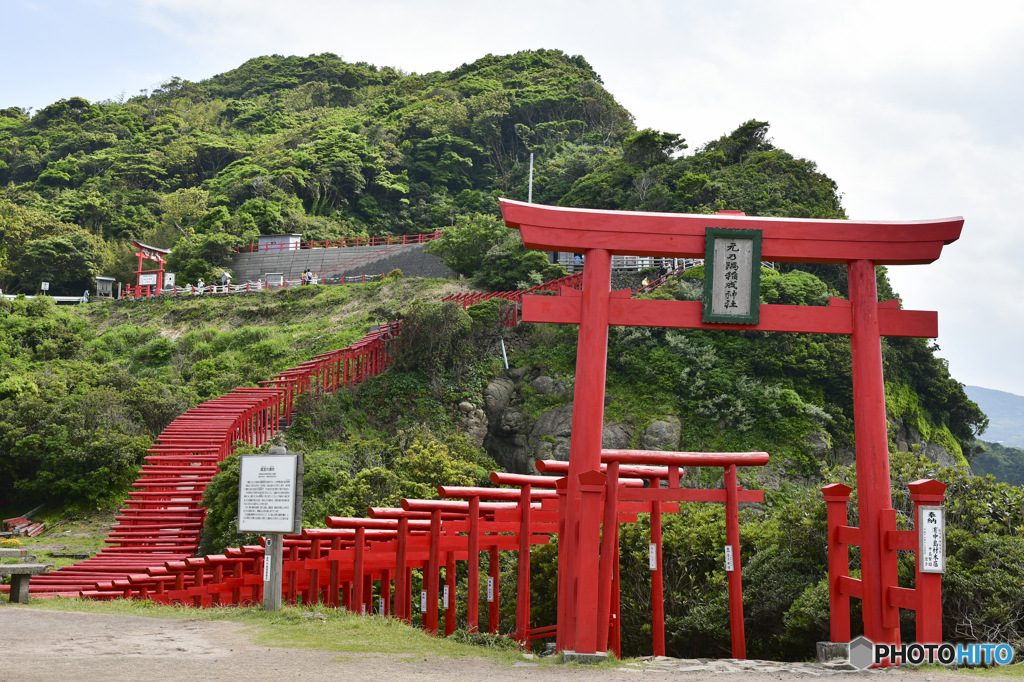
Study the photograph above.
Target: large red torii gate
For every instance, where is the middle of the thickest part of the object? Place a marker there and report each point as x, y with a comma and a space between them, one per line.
860, 245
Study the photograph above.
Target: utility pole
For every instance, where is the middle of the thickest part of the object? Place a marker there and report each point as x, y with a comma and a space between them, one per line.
529, 196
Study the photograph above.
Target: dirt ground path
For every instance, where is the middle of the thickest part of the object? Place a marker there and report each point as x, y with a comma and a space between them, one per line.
56, 646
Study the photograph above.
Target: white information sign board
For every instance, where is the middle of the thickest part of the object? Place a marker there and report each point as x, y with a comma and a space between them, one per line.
652, 556
423, 601
729, 563
446, 596
380, 602
269, 493
490, 590
931, 538
169, 279
147, 280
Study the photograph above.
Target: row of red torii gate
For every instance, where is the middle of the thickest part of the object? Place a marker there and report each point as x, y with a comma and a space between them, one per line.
598, 488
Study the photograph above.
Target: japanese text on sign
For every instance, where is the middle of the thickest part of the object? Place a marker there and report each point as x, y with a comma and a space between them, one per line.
490, 589
730, 565
732, 274
652, 556
266, 494
931, 537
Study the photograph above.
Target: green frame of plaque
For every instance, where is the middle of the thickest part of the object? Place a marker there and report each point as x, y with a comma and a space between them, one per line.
712, 233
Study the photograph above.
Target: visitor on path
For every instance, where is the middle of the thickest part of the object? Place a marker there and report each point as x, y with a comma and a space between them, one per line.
200, 285
225, 279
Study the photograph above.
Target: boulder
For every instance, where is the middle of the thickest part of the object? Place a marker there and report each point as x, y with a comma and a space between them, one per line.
497, 396
474, 423
554, 427
616, 436
547, 386
662, 434
517, 373
819, 443
937, 454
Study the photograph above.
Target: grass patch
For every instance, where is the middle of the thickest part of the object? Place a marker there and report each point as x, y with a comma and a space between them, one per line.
312, 627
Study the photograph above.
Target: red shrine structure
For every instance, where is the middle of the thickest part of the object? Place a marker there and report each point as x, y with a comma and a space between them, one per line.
149, 282
734, 243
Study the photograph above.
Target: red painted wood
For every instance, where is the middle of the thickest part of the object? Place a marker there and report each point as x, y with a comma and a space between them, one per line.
473, 582
451, 582
523, 584
493, 609
432, 574
657, 578
872, 443
609, 554
682, 236
587, 420
837, 497
732, 537
773, 318
927, 585
591, 485
776, 250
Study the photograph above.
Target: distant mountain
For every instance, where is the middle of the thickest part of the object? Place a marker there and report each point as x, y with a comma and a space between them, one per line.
1005, 412
1005, 463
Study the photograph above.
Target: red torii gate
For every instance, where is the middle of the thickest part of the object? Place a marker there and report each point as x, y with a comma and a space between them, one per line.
859, 245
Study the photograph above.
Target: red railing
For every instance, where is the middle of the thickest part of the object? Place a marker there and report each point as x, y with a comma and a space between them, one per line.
394, 240
163, 516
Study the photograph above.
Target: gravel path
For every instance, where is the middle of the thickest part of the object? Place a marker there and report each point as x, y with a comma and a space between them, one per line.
57, 646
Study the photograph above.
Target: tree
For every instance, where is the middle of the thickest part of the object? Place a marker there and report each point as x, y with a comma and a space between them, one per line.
183, 204
463, 246
69, 262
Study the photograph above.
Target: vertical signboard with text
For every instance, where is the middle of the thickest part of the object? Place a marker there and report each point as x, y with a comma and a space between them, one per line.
732, 275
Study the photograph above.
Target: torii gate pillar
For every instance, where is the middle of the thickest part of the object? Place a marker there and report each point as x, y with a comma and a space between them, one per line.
587, 410
881, 621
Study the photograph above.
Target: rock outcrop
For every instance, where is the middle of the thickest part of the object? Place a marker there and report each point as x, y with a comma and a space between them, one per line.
662, 434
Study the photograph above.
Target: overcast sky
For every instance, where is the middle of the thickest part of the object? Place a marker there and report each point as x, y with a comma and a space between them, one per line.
913, 108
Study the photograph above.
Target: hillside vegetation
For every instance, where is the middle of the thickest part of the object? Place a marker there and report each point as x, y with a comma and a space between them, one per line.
329, 149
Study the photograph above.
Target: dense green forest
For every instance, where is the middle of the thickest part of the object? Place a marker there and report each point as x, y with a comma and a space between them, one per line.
330, 149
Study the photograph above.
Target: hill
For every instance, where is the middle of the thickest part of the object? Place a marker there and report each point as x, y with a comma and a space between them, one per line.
330, 149
1005, 412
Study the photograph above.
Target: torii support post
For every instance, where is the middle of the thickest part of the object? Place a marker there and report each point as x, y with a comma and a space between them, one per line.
587, 429
927, 585
523, 586
433, 569
874, 487
450, 584
732, 538
837, 497
657, 578
494, 579
473, 596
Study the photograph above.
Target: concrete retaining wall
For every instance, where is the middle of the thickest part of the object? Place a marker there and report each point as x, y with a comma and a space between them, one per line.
331, 264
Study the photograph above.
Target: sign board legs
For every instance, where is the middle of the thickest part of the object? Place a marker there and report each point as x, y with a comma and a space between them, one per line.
272, 564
